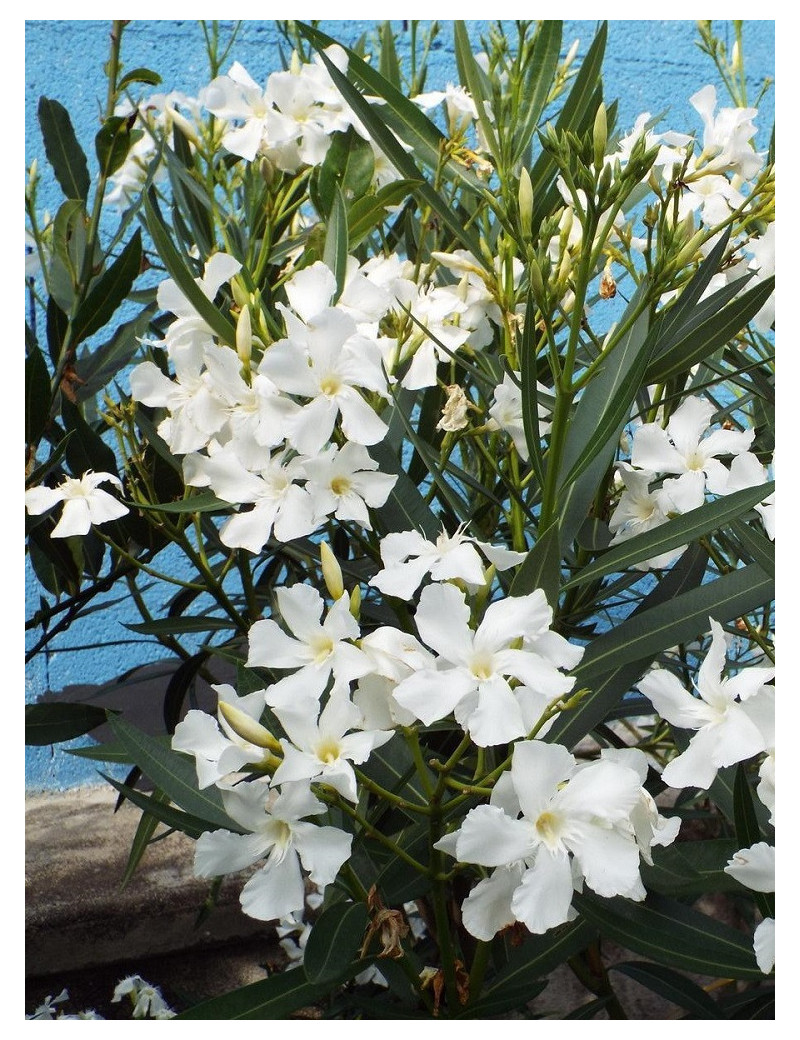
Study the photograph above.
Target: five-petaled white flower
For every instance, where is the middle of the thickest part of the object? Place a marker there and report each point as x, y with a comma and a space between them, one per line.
471, 677
318, 651
84, 503
278, 831
575, 826
730, 715
322, 749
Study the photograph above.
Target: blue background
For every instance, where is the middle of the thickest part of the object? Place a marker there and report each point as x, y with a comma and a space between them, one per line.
650, 66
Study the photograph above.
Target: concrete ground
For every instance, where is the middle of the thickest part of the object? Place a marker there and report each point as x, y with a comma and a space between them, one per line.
85, 931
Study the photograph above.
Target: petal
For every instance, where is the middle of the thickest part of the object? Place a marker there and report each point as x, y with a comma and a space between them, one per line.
272, 648
608, 858
359, 421
223, 852
322, 850
672, 701
695, 767
75, 519
754, 867
543, 898
536, 770
39, 499
301, 608
104, 507
764, 945
311, 289
497, 719
442, 621
432, 695
487, 909
688, 424
492, 839
276, 890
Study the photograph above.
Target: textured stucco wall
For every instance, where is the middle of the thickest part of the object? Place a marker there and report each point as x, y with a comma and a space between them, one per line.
650, 66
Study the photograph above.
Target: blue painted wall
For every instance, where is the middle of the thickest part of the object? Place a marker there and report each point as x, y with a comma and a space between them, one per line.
650, 66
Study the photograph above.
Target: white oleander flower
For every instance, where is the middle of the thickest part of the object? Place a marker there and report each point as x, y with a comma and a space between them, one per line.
471, 677
146, 999
408, 556
345, 482
686, 448
319, 651
85, 503
575, 827
322, 749
277, 829
218, 747
729, 715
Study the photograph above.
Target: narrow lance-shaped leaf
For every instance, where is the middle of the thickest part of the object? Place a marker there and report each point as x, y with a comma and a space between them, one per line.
538, 79
335, 255
388, 143
672, 934
334, 941
181, 274
110, 291
53, 723
173, 773
530, 401
63, 152
711, 516
605, 405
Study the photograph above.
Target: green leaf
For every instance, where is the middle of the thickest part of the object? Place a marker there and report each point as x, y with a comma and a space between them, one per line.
366, 213
538, 79
497, 1002
530, 399
335, 254
111, 752
405, 508
605, 405
37, 395
672, 986
63, 152
334, 940
682, 619
607, 690
144, 832
389, 65
139, 76
69, 236
400, 159
110, 290
53, 723
273, 998
181, 625
677, 318
350, 165
474, 79
176, 266
691, 868
113, 142
541, 568
672, 934
86, 449
96, 368
57, 324
535, 959
158, 810
712, 334
202, 502
760, 549
173, 773
709, 517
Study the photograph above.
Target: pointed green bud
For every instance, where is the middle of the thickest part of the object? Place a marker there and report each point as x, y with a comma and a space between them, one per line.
537, 283
689, 251
525, 199
244, 337
600, 136
355, 602
331, 571
248, 729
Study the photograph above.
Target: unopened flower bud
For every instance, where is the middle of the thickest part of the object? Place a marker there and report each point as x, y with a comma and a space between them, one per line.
247, 728
572, 53
267, 170
525, 199
331, 571
537, 283
600, 136
355, 602
689, 251
244, 337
